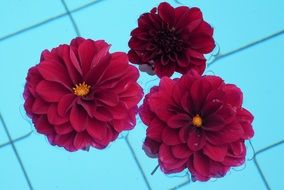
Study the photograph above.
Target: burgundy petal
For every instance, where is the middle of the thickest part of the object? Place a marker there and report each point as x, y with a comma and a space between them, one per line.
65, 104
154, 131
233, 96
216, 153
97, 129
229, 133
181, 151
170, 136
201, 164
81, 141
44, 89
56, 72
108, 98
86, 53
166, 12
179, 120
43, 127
196, 140
39, 106
214, 123
53, 116
63, 129
79, 118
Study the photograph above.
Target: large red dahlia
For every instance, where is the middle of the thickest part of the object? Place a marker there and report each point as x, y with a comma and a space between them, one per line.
171, 39
196, 122
80, 95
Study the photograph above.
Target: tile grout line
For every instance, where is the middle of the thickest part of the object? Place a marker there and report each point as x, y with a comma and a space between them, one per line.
71, 18
17, 139
16, 152
261, 174
245, 47
48, 20
126, 138
137, 163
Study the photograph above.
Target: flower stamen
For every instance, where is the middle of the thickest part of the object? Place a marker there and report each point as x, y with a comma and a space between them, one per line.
197, 121
81, 89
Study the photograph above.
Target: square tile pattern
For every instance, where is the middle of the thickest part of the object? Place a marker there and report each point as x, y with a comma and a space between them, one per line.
27, 161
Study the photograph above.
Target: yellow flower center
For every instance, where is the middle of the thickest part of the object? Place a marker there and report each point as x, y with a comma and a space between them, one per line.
197, 121
81, 89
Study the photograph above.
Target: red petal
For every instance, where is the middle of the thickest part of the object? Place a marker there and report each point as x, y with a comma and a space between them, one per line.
183, 134
167, 70
181, 151
43, 127
214, 123
179, 120
155, 129
245, 115
133, 57
102, 114
54, 71
199, 91
82, 140
233, 95
228, 134
66, 141
63, 129
202, 43
182, 15
78, 118
97, 129
167, 13
65, 104
101, 54
215, 81
169, 168
117, 67
165, 154
216, 153
204, 29
44, 89
195, 14
86, 53
170, 136
201, 164
196, 140
119, 112
122, 125
77, 41
151, 147
132, 94
248, 130
53, 116
107, 97
211, 107
39, 106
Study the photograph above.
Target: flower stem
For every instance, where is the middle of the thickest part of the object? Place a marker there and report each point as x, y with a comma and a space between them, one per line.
153, 172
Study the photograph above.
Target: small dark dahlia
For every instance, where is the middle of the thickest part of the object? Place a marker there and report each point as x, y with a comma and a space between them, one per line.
80, 95
196, 122
171, 39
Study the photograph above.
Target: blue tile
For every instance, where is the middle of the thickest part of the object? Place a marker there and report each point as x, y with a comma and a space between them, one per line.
3, 136
259, 75
240, 22
271, 165
52, 167
17, 14
18, 54
74, 4
11, 174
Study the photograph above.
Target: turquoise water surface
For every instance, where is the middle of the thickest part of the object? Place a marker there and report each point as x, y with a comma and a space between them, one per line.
29, 26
